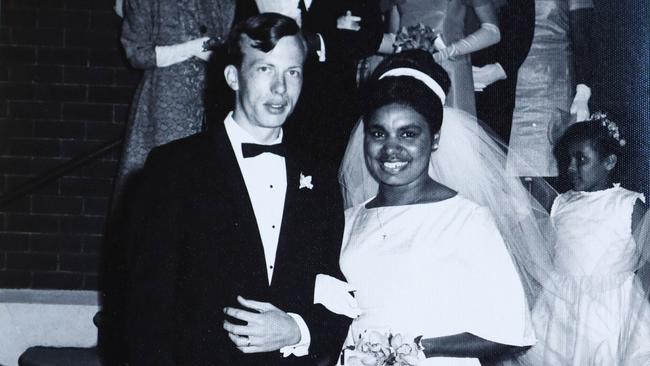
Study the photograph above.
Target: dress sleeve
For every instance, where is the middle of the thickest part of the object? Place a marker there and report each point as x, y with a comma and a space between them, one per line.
495, 306
138, 34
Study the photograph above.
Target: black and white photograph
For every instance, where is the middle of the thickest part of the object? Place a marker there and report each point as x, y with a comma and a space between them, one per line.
324, 183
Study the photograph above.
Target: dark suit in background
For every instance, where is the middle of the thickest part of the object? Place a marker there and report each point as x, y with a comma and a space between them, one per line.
495, 104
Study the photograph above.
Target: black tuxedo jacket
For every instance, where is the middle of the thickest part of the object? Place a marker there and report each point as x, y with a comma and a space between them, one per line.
195, 246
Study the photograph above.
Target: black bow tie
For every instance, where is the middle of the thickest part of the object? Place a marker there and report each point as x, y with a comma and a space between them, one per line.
252, 150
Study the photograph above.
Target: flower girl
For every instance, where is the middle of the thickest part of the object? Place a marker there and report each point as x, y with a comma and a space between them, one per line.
594, 310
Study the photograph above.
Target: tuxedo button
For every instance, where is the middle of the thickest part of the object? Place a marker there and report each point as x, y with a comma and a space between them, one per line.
273, 226
271, 186
271, 267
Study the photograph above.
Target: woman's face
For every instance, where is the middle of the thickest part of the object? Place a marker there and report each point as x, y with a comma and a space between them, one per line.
397, 146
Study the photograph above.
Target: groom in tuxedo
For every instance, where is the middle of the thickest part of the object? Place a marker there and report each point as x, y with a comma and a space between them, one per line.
231, 227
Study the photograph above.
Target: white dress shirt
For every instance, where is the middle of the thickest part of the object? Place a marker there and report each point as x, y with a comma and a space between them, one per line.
265, 176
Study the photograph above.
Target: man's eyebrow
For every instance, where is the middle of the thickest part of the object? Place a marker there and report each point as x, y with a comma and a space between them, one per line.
261, 62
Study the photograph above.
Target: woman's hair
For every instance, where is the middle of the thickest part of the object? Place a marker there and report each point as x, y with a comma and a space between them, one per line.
598, 130
407, 90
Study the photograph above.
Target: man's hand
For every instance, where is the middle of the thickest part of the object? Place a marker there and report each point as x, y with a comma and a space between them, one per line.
268, 328
486, 75
348, 22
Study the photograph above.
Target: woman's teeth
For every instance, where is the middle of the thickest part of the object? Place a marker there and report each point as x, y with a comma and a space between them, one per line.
395, 164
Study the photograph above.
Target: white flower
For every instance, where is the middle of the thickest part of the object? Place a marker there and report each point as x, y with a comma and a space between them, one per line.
305, 181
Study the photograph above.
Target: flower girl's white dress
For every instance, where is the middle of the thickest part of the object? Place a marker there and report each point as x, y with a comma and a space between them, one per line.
433, 269
594, 312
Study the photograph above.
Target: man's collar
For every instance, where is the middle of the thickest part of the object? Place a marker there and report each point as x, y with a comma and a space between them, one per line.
239, 135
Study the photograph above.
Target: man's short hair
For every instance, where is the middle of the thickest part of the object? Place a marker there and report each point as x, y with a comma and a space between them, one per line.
264, 30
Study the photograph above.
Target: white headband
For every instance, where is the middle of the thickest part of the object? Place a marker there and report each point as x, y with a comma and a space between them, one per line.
426, 79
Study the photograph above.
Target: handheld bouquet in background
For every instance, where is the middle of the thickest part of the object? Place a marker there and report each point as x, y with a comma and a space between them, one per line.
418, 36
213, 43
373, 348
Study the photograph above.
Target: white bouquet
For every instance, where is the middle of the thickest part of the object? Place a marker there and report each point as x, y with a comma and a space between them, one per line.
374, 348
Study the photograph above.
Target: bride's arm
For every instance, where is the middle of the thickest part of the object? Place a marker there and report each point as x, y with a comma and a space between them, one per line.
465, 345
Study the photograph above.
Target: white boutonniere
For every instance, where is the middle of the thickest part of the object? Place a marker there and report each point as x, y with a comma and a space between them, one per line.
305, 181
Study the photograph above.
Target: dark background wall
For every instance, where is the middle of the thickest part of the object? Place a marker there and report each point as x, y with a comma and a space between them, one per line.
64, 90
622, 81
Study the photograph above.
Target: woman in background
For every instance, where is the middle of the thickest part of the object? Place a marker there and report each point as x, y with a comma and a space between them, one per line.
166, 40
447, 17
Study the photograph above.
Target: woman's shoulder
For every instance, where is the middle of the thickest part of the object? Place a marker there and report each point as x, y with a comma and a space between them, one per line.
465, 208
615, 195
467, 204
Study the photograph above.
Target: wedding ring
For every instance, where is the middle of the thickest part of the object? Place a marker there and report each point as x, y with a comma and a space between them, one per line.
249, 343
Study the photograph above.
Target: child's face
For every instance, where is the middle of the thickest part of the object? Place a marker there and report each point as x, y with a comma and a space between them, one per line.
588, 171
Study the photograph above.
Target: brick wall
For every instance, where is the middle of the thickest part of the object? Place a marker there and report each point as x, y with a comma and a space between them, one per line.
64, 90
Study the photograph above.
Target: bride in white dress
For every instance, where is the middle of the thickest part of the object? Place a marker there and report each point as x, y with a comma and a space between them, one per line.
422, 259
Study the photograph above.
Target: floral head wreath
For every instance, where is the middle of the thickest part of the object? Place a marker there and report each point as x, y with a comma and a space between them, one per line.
612, 128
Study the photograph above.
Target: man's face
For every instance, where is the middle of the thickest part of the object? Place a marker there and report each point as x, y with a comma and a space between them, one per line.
267, 85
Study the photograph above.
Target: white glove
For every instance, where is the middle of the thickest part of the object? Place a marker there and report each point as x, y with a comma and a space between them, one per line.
580, 106
486, 75
204, 55
348, 22
119, 8
335, 295
170, 55
445, 54
487, 35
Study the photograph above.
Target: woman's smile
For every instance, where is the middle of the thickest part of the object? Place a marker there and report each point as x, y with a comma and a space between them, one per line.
394, 167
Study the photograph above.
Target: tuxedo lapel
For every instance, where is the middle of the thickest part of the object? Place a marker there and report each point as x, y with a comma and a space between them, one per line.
226, 174
291, 220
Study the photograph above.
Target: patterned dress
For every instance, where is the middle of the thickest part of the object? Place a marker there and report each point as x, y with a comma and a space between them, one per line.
168, 103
